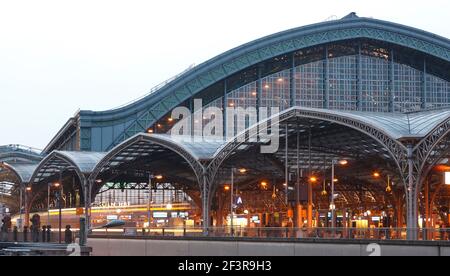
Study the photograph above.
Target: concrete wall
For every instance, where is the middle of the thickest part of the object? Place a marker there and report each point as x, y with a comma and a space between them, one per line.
130, 247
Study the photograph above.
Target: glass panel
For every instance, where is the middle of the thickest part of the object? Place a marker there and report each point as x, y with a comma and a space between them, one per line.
276, 90
243, 97
375, 81
438, 92
375, 84
407, 88
217, 103
343, 83
309, 87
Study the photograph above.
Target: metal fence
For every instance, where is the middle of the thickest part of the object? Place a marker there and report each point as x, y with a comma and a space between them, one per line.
280, 233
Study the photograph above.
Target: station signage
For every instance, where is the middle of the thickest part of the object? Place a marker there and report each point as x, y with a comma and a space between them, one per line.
239, 201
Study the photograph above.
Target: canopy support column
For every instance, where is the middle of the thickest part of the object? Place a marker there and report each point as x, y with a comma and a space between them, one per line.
205, 204
411, 198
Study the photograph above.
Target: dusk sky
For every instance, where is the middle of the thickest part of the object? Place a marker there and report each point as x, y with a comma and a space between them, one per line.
60, 56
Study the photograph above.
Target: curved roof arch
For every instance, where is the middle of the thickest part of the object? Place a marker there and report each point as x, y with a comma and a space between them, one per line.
23, 172
397, 127
373, 127
141, 145
141, 114
284, 42
82, 163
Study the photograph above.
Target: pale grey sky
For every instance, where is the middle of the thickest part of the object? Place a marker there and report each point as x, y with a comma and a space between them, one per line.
57, 56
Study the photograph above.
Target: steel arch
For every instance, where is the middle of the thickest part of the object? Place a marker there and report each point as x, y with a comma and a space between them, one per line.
13, 170
395, 148
196, 166
428, 144
431, 149
56, 155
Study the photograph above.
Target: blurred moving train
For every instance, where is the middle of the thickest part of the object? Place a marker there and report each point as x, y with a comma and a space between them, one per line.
136, 216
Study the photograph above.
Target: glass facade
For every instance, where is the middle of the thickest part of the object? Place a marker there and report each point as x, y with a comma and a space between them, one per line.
364, 75
438, 92
407, 88
309, 85
375, 84
342, 83
276, 90
242, 98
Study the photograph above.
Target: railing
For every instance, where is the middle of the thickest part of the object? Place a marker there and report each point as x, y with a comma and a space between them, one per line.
39, 237
158, 87
279, 233
20, 148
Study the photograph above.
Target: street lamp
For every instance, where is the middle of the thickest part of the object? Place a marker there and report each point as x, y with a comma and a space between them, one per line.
20, 206
233, 170
334, 162
27, 189
59, 194
56, 185
447, 178
149, 215
324, 191
264, 185
389, 186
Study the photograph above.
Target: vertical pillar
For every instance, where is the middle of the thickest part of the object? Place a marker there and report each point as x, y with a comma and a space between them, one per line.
139, 196
358, 78
191, 108
27, 208
344, 221
259, 94
310, 188
205, 205
411, 198
299, 207
317, 218
391, 82
326, 84
427, 204
287, 165
310, 207
424, 84
344, 217
86, 184
219, 213
292, 82
399, 212
299, 217
225, 107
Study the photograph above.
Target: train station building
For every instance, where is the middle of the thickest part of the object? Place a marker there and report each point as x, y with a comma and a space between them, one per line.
340, 124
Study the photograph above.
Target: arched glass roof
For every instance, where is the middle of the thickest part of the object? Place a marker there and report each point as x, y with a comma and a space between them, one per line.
23, 171
200, 148
397, 125
59, 161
